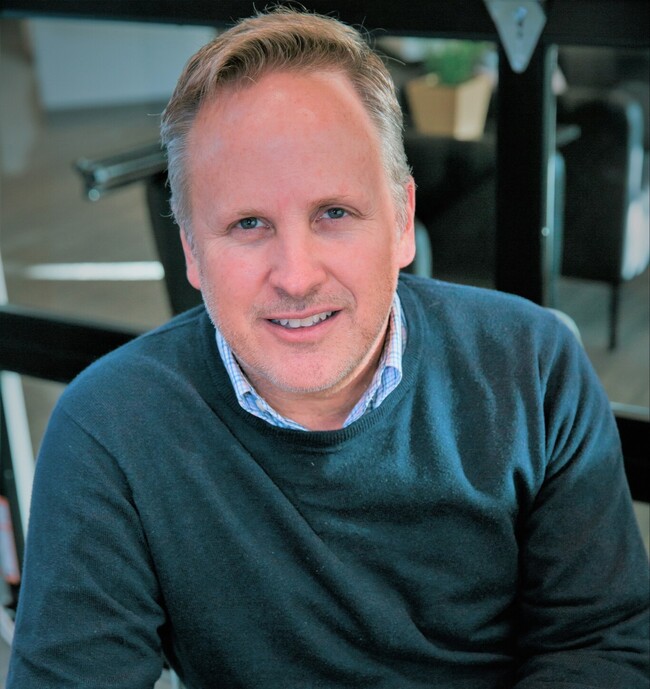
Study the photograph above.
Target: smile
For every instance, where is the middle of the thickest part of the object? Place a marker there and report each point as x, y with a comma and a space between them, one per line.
303, 322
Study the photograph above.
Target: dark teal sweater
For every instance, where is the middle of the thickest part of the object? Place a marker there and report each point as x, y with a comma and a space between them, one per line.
474, 531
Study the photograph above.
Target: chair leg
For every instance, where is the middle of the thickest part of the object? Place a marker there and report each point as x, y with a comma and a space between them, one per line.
614, 304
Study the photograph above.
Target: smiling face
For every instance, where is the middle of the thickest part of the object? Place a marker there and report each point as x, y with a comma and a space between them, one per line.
296, 246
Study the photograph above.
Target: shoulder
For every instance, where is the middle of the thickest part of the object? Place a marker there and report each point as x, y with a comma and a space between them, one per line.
161, 346
144, 367
501, 339
438, 294
512, 361
479, 314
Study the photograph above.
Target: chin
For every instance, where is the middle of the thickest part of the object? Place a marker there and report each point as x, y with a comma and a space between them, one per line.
303, 381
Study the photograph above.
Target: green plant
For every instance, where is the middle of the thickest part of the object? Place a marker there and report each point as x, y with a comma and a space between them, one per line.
454, 61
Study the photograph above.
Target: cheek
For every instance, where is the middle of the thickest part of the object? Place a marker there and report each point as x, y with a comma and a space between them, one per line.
231, 276
380, 258
371, 276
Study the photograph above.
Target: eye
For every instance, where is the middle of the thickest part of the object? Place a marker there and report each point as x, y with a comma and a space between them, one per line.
335, 213
251, 223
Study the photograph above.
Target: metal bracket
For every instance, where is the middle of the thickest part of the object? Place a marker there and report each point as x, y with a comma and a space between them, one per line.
519, 24
103, 175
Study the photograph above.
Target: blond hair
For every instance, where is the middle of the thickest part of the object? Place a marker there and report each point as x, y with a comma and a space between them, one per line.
283, 39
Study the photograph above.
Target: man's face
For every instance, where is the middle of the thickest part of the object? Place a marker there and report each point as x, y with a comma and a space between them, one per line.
296, 243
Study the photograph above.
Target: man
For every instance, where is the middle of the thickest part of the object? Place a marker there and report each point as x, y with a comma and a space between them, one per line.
320, 480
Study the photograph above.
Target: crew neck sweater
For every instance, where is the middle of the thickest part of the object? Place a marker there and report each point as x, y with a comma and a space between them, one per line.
473, 531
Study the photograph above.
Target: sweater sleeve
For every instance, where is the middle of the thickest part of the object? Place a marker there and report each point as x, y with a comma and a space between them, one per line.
584, 569
89, 611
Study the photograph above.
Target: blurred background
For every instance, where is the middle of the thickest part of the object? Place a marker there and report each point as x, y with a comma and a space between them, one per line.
76, 91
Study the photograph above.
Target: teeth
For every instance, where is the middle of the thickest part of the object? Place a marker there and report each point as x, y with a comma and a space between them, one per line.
303, 322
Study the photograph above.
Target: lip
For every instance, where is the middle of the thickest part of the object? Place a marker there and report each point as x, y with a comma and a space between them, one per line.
288, 315
305, 334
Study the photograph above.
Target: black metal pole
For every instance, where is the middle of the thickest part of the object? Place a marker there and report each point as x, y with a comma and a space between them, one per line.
525, 145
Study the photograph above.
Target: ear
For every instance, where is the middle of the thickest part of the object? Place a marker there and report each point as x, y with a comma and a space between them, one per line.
406, 245
191, 262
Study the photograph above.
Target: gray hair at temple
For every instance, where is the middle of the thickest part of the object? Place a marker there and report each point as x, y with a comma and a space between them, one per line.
283, 39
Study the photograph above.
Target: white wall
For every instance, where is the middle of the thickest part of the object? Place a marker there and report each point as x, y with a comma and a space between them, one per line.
81, 63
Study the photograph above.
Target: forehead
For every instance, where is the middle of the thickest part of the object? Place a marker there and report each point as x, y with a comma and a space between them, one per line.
291, 127
284, 103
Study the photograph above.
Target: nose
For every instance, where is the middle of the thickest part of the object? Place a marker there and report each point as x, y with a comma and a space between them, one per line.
297, 266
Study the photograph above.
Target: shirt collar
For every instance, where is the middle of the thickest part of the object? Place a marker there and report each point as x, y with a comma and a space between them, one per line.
387, 376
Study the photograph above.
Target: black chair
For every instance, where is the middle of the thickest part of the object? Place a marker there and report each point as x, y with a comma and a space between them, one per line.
606, 221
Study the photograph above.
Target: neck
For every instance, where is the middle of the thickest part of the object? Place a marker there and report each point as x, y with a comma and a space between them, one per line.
326, 415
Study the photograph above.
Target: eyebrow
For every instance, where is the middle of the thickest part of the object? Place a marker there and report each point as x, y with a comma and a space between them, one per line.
332, 200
